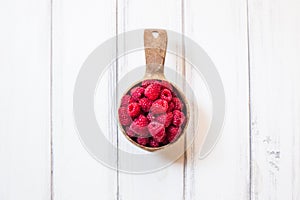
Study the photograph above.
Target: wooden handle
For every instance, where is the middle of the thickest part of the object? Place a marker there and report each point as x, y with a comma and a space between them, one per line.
155, 43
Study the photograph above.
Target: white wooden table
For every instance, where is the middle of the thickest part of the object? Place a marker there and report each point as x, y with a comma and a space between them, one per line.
255, 46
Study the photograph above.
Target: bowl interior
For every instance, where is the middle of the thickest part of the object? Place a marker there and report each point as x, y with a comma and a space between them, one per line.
185, 110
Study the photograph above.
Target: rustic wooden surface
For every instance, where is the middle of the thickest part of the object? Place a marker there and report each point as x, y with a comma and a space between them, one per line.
254, 45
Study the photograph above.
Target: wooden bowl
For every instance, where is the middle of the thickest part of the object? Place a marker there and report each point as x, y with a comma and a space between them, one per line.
155, 43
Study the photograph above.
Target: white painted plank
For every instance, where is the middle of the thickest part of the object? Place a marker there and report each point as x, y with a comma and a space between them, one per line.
79, 27
274, 57
168, 182
220, 27
25, 100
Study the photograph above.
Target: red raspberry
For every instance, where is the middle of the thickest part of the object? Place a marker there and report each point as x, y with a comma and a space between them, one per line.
171, 107
152, 91
178, 118
139, 126
146, 83
169, 119
150, 117
153, 143
152, 101
133, 109
143, 141
161, 118
124, 117
129, 132
166, 95
165, 141
166, 84
159, 106
137, 93
157, 131
177, 104
165, 119
142, 120
145, 104
173, 133
125, 100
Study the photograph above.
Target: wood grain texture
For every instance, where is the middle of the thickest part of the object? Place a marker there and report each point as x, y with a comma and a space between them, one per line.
155, 52
220, 27
274, 35
155, 46
25, 100
78, 28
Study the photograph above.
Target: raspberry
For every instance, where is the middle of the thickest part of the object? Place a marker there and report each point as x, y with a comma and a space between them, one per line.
159, 106
125, 100
166, 84
139, 126
143, 141
150, 117
146, 83
169, 119
133, 109
178, 117
173, 133
129, 132
165, 141
177, 103
137, 93
124, 117
156, 112
145, 104
166, 95
142, 120
153, 143
152, 91
161, 118
165, 119
171, 107
157, 131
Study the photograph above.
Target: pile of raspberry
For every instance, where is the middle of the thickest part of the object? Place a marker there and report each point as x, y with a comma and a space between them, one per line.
152, 113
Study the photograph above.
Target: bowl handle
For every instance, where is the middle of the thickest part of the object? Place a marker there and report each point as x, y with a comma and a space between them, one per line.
155, 43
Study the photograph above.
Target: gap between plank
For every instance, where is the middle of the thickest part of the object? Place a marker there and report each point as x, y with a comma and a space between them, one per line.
116, 83
183, 74
249, 101
51, 102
